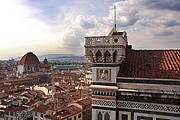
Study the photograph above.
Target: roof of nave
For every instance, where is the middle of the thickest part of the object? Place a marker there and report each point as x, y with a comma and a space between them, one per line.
164, 64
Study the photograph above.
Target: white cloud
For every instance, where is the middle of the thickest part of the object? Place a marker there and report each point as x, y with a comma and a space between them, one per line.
148, 25
20, 29
147, 28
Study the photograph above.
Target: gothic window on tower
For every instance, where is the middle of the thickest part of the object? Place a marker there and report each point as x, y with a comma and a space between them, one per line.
114, 56
124, 117
28, 68
107, 57
99, 57
99, 116
107, 116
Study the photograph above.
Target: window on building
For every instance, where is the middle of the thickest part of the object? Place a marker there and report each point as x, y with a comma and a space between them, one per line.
70, 119
98, 57
79, 116
6, 118
41, 115
7, 113
1, 115
107, 56
115, 56
11, 118
107, 116
16, 114
74, 117
11, 113
99, 116
124, 117
35, 113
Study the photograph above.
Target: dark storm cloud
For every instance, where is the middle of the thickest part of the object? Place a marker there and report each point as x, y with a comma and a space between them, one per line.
172, 23
162, 4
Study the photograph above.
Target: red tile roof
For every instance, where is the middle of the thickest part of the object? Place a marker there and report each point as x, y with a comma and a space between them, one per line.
85, 102
163, 64
15, 109
67, 112
29, 58
42, 108
16, 80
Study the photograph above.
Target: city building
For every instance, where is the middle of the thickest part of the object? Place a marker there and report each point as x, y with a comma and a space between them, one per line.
132, 84
86, 108
20, 81
66, 67
88, 77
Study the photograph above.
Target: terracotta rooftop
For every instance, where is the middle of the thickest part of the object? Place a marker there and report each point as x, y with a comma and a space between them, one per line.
163, 64
15, 80
15, 109
42, 108
85, 102
29, 58
68, 111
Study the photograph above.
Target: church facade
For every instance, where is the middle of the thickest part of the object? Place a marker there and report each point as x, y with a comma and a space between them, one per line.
132, 84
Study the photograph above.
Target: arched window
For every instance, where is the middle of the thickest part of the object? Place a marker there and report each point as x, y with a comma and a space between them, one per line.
114, 56
90, 56
28, 67
98, 56
99, 116
107, 116
107, 57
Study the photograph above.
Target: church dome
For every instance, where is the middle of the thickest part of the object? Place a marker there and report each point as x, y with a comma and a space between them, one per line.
29, 58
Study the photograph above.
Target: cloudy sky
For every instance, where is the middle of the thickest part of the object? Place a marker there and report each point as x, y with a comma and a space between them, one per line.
59, 26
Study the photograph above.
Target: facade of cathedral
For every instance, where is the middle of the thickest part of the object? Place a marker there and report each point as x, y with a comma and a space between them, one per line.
132, 84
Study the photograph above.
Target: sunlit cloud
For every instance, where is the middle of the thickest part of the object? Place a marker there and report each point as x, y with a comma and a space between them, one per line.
60, 26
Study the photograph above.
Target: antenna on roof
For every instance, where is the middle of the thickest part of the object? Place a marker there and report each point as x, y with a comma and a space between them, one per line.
115, 18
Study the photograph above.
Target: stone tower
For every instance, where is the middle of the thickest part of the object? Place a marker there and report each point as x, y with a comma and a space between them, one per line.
106, 54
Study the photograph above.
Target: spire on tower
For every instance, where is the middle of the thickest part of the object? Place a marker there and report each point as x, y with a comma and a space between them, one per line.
115, 18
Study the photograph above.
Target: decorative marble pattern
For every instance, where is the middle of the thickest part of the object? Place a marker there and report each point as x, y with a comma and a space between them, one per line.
149, 106
104, 103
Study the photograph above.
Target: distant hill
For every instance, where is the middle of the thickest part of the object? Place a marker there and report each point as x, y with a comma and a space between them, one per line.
59, 57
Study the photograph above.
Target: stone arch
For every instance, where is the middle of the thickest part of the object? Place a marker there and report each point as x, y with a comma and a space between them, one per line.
98, 56
107, 57
107, 116
115, 56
